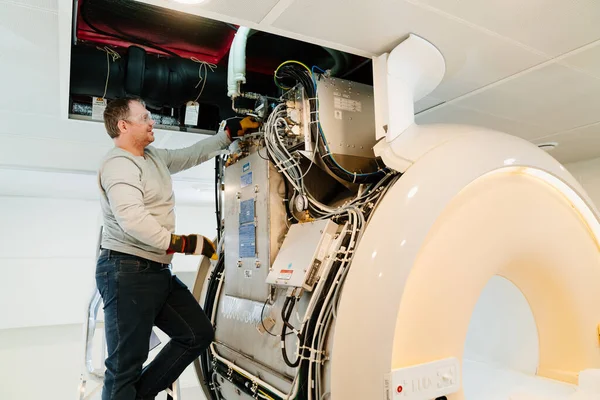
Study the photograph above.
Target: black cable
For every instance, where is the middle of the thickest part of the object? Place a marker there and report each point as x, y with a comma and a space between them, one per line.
211, 293
262, 321
217, 197
233, 27
311, 326
299, 74
359, 66
266, 159
298, 146
286, 313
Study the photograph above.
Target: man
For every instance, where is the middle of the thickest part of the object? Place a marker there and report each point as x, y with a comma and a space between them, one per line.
133, 271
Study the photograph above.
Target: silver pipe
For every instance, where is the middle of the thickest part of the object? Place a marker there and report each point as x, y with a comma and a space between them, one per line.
91, 321
285, 377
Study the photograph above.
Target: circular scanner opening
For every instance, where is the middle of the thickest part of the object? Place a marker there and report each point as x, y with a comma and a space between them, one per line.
502, 349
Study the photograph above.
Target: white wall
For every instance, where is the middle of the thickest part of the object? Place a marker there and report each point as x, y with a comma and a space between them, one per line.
49, 216
47, 255
46, 364
40, 364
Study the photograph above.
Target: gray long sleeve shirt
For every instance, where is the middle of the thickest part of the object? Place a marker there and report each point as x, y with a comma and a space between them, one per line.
137, 200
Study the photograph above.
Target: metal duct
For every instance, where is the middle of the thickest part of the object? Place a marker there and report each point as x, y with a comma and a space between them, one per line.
161, 82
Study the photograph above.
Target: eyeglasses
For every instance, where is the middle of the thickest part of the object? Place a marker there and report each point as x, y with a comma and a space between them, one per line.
144, 118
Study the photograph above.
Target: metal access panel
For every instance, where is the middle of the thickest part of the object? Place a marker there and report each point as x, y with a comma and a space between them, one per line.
299, 261
255, 223
347, 115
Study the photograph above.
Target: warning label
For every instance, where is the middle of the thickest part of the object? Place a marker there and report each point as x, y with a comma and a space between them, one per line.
286, 274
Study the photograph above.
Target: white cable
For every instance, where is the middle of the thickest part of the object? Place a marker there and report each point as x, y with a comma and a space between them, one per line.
275, 129
115, 56
204, 67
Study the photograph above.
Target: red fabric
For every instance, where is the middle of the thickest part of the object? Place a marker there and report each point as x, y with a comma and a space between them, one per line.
181, 48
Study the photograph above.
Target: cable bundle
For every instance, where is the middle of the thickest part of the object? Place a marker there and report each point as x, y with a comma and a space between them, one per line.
353, 216
300, 73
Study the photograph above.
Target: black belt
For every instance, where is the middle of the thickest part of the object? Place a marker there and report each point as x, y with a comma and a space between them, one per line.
110, 252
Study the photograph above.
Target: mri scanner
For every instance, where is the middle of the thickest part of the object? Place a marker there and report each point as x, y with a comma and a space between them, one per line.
362, 285
461, 206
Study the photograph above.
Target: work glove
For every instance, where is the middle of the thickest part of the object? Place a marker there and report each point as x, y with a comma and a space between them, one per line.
237, 127
192, 244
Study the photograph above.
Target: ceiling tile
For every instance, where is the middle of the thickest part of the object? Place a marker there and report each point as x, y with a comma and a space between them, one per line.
36, 27
575, 145
31, 87
46, 5
29, 66
426, 103
453, 114
248, 10
473, 58
587, 61
554, 97
545, 25
252, 10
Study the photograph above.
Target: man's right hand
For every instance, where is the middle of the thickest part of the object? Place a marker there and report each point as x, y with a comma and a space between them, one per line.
237, 127
192, 244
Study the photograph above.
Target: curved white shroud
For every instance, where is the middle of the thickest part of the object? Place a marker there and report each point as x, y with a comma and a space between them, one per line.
473, 203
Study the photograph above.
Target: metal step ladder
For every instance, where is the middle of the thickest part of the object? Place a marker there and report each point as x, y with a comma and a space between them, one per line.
94, 326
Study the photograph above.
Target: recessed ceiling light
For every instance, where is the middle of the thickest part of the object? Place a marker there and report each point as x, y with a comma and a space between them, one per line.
549, 146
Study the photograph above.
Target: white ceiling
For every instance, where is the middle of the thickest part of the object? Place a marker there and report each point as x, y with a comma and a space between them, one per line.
530, 68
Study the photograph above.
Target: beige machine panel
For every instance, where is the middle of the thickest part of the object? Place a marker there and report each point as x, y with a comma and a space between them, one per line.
302, 254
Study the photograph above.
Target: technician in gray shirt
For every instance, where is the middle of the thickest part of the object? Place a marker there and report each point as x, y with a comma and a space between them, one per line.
133, 272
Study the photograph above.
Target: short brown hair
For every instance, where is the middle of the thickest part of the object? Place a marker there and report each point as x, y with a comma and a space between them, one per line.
115, 111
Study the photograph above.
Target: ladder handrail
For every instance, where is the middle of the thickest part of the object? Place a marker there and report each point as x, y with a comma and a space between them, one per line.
90, 329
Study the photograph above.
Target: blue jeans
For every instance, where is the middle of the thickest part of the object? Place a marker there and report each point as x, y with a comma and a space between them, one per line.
138, 294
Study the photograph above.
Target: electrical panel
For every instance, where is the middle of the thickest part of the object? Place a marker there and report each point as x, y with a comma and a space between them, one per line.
346, 113
304, 251
255, 222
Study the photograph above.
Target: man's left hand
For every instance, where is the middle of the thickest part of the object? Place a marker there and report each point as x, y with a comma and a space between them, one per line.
192, 244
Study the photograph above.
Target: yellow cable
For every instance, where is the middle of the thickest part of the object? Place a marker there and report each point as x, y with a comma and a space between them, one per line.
288, 62
266, 395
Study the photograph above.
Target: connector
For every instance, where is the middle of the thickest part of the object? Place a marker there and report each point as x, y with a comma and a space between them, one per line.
294, 292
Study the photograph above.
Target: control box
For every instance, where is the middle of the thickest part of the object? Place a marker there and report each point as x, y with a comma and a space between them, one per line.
303, 252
